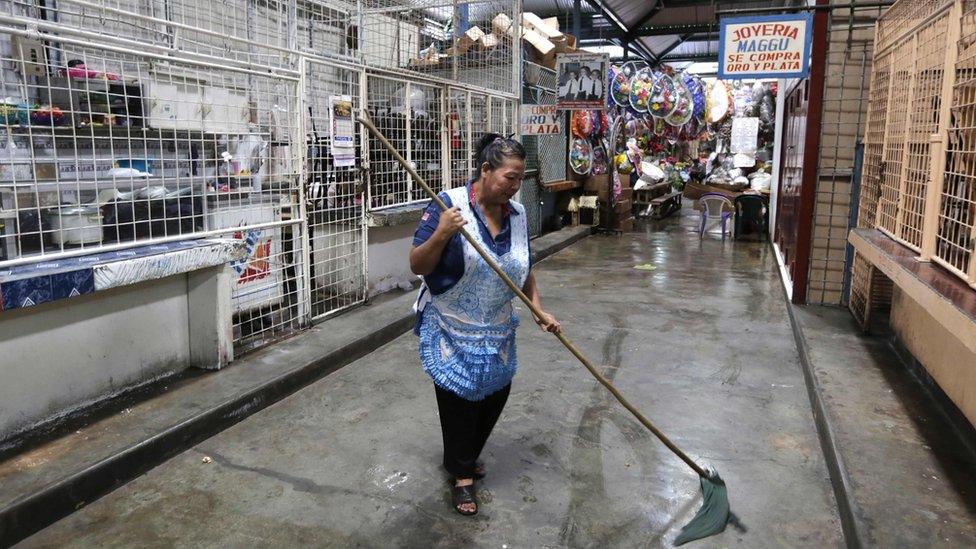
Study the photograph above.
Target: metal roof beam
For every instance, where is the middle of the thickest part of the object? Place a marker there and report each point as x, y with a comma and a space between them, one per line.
681, 40
593, 33
608, 14
695, 38
689, 57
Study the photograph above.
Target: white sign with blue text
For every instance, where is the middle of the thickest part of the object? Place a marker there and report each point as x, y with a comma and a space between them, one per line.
768, 46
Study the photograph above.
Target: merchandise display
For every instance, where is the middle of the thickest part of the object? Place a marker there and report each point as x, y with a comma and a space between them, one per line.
581, 156
619, 87
582, 124
719, 102
670, 134
696, 87
641, 88
684, 105
664, 95
600, 160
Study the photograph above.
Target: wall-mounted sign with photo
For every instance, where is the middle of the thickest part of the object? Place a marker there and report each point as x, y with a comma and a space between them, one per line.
582, 80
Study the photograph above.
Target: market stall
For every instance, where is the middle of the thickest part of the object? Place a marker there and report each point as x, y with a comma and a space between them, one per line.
664, 135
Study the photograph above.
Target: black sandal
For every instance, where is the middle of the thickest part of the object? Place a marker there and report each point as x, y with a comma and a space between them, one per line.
461, 495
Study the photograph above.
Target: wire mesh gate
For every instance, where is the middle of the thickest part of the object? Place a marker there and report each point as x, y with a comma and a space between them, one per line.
335, 202
546, 154
135, 122
110, 148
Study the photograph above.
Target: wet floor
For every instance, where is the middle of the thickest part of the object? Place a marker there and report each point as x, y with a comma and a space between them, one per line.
701, 342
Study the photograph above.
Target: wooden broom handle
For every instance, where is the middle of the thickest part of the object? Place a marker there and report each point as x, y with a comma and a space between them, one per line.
365, 121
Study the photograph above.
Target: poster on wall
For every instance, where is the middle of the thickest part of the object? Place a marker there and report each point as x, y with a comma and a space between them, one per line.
768, 46
745, 135
342, 131
581, 80
540, 120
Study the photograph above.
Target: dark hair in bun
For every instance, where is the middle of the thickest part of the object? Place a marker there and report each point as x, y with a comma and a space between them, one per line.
494, 149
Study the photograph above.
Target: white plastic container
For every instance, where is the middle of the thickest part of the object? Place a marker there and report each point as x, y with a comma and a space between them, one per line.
75, 224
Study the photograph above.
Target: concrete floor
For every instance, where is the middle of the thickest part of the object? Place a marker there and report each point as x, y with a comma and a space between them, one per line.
702, 345
912, 480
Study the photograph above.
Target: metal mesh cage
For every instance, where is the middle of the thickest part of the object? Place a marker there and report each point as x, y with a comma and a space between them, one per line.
131, 123
552, 148
334, 198
469, 42
919, 164
957, 208
871, 290
531, 198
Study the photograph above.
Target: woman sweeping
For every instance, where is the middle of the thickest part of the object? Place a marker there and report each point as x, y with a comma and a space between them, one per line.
465, 318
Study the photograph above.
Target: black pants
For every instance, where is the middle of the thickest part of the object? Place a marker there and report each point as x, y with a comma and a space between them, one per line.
465, 426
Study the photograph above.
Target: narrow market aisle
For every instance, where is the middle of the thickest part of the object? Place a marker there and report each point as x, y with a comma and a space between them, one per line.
911, 476
702, 343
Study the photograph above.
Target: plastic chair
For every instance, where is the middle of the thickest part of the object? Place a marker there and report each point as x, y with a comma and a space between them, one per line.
715, 209
750, 211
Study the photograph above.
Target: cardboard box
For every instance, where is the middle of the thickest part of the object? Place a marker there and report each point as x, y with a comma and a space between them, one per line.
535, 23
426, 62
589, 217
542, 45
502, 25
565, 45
599, 185
469, 39
577, 203
597, 182
622, 207
548, 61
487, 42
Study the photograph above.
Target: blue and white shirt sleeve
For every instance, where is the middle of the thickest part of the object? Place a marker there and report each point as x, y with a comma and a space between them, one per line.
429, 220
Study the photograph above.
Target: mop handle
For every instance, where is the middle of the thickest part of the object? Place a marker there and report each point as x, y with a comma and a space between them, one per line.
365, 121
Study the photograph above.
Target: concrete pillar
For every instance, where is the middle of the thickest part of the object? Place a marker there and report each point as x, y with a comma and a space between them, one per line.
211, 317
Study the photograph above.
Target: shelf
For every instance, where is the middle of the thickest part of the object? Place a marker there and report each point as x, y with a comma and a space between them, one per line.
118, 131
128, 184
393, 216
102, 184
557, 186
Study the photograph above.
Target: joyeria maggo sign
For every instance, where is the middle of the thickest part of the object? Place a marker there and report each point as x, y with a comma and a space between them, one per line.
770, 46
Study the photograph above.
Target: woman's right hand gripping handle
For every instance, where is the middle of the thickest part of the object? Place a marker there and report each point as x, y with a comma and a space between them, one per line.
424, 258
450, 223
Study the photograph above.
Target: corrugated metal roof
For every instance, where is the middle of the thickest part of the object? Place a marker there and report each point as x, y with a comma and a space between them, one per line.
696, 48
630, 12
549, 8
658, 43
682, 16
